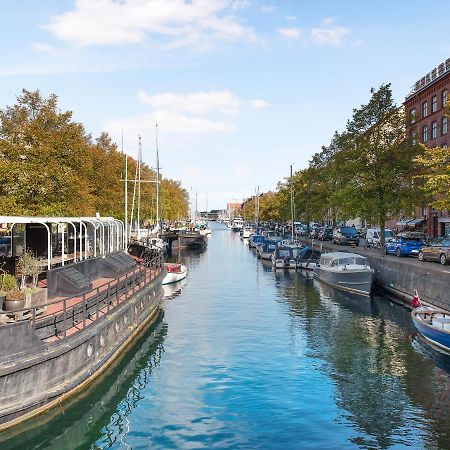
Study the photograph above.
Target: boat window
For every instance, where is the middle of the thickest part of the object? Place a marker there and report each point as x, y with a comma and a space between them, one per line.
284, 253
352, 260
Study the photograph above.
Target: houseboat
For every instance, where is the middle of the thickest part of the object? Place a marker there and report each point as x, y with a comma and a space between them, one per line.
92, 299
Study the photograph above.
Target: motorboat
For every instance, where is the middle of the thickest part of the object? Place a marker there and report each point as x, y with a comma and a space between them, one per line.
434, 325
283, 258
306, 258
266, 249
246, 232
255, 240
346, 271
237, 224
175, 272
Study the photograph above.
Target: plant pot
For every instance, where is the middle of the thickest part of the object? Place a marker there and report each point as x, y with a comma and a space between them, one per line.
12, 305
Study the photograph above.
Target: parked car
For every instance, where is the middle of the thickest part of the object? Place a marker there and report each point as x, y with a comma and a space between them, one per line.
326, 234
314, 233
5, 245
437, 250
404, 246
345, 235
373, 236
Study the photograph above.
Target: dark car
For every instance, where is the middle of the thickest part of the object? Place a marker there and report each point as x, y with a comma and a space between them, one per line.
345, 235
326, 234
437, 250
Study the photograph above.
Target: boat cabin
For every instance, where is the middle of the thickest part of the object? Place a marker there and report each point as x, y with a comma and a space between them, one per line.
61, 240
342, 260
284, 253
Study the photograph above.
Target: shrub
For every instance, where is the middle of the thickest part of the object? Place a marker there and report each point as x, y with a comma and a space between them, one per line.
7, 282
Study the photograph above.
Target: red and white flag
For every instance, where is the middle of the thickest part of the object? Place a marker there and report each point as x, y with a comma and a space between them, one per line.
415, 302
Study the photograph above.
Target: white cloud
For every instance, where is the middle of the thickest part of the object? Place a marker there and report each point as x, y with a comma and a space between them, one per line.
328, 33
172, 23
258, 103
290, 33
195, 103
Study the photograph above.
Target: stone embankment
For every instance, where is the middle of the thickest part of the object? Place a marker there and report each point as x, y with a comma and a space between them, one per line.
401, 276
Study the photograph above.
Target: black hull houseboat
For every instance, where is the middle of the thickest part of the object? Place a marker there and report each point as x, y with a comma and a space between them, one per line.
91, 300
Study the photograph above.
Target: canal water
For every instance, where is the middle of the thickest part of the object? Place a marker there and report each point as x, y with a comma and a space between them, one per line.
247, 358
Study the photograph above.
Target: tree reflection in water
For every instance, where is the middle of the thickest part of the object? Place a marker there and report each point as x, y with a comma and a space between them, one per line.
393, 394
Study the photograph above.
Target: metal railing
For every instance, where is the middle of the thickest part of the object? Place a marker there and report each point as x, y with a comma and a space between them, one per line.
57, 319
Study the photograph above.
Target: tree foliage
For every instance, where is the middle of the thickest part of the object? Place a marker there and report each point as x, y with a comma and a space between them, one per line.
369, 171
49, 165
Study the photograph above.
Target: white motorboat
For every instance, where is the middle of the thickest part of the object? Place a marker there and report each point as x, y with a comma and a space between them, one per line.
237, 224
247, 231
175, 272
346, 271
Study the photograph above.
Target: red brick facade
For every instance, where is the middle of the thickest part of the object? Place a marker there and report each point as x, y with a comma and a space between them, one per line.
427, 123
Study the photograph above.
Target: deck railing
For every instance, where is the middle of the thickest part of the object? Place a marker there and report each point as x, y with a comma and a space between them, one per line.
58, 319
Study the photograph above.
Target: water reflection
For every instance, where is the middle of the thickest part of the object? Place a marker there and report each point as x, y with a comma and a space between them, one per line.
101, 414
391, 393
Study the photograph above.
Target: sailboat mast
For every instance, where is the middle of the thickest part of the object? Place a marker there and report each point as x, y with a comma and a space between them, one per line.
257, 206
292, 207
139, 191
158, 203
126, 196
134, 197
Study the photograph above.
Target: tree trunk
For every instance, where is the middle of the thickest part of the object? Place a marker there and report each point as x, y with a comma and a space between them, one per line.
382, 230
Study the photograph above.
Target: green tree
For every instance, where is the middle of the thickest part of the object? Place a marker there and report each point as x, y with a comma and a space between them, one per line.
377, 162
50, 166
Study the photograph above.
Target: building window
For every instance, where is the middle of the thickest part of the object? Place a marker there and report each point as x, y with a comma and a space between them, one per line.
433, 104
424, 109
444, 98
412, 116
413, 136
444, 129
424, 133
433, 130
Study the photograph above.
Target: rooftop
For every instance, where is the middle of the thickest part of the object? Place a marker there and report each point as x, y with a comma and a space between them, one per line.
437, 73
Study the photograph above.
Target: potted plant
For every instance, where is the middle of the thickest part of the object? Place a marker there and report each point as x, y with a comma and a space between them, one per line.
15, 299
30, 266
7, 284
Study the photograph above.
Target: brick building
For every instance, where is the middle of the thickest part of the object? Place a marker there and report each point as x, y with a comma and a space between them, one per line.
428, 124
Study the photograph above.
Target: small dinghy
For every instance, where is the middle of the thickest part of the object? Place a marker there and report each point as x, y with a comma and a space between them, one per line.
434, 325
175, 272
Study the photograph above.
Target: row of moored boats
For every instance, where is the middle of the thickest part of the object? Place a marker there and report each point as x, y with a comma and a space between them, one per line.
345, 271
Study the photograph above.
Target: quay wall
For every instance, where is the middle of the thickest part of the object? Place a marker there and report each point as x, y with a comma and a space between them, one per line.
401, 276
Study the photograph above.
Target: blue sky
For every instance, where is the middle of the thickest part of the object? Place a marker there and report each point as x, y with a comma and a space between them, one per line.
240, 88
